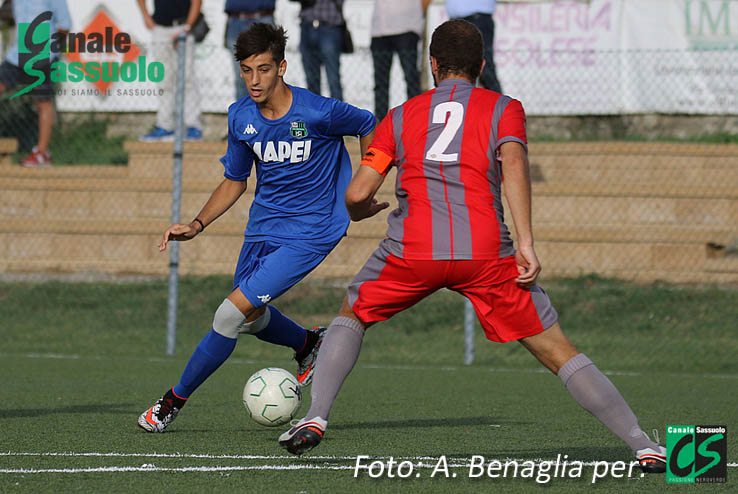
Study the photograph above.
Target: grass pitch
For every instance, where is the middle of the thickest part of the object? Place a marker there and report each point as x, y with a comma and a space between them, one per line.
80, 361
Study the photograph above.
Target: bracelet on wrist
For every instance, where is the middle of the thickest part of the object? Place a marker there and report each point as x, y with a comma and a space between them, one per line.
202, 225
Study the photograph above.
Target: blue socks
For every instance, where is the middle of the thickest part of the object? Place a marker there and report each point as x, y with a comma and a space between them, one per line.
283, 331
212, 351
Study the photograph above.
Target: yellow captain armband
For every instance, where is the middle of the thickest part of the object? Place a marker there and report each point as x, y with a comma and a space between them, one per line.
378, 160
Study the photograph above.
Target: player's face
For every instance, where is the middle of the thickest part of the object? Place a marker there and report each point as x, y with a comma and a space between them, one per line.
262, 75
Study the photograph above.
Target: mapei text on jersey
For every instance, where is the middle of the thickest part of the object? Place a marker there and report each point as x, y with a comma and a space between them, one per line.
280, 151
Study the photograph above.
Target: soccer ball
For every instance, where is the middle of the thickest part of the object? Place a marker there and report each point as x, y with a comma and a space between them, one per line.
272, 396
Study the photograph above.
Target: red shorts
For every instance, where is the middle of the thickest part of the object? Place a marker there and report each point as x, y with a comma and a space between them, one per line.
388, 284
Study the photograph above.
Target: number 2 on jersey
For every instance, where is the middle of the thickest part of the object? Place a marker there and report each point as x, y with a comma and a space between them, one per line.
455, 112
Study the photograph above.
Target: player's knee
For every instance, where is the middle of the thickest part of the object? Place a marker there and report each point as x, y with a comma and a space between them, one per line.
228, 319
257, 324
230, 322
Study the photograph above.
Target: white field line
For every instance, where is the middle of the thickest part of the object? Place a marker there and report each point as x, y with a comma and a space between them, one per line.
419, 462
444, 368
26, 471
174, 455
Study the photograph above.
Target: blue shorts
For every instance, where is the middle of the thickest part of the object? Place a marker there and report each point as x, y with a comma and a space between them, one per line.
266, 269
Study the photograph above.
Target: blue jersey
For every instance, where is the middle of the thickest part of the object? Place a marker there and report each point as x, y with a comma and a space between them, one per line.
302, 167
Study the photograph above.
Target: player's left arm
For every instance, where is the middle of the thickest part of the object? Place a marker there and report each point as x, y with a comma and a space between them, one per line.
512, 151
517, 189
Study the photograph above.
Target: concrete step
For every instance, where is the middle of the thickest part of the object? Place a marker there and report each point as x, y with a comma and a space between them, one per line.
203, 147
142, 198
345, 273
139, 253
636, 169
114, 178
551, 209
687, 263
233, 225
214, 253
632, 148
578, 162
643, 210
67, 199
8, 145
649, 225
111, 180
674, 166
60, 172
199, 159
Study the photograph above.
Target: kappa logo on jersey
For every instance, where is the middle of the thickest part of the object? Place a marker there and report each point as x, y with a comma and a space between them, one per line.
298, 130
250, 129
264, 298
280, 151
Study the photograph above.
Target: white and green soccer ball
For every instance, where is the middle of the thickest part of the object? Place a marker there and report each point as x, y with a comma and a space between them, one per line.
272, 396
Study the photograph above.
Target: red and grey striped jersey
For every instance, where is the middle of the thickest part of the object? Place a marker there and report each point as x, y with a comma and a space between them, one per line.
444, 143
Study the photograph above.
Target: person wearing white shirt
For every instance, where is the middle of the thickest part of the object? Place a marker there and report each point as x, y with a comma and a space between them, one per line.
397, 27
479, 13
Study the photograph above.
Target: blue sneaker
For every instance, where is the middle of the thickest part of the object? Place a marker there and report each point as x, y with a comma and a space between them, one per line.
193, 134
158, 135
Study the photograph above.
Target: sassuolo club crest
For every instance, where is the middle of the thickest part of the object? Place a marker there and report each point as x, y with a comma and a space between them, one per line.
298, 130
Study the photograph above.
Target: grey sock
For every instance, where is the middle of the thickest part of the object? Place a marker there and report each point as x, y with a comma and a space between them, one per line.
596, 394
336, 358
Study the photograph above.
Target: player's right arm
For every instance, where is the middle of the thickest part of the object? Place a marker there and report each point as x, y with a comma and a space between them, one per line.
238, 161
360, 201
376, 162
222, 198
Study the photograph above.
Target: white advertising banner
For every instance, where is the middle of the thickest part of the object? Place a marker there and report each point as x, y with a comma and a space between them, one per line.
559, 58
681, 59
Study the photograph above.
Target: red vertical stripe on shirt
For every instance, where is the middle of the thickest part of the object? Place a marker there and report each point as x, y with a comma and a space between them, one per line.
478, 197
418, 225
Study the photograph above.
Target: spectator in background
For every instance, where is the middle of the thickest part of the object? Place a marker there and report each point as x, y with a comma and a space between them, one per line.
11, 74
169, 20
241, 14
479, 13
321, 37
396, 28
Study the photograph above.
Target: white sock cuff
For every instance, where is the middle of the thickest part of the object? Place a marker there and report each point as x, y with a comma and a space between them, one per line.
574, 364
349, 323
